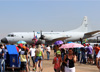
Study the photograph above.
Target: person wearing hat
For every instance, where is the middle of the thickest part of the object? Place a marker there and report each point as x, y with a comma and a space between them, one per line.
89, 53
24, 58
57, 61
19, 46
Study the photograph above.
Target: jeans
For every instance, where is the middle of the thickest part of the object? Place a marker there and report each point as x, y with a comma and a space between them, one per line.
82, 57
78, 56
48, 55
2, 62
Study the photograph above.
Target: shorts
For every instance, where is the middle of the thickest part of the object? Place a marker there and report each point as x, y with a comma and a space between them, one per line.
89, 56
33, 59
23, 66
69, 69
54, 50
38, 58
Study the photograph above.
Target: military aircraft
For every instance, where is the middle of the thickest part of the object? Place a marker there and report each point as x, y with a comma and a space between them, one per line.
50, 37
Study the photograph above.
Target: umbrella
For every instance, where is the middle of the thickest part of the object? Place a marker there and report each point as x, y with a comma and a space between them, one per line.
70, 42
21, 42
58, 42
71, 45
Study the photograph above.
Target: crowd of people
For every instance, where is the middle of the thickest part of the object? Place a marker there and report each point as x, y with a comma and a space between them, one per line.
84, 55
64, 59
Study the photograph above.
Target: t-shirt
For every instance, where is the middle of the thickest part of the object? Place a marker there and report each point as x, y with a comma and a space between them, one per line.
32, 51
27, 48
1, 52
97, 50
89, 50
48, 49
82, 50
57, 62
23, 54
78, 50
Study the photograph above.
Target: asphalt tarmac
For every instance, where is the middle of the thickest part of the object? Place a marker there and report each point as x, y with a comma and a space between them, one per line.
48, 66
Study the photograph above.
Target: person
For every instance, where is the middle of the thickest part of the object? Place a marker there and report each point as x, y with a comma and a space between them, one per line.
24, 59
2, 61
5, 53
97, 48
98, 60
17, 49
42, 47
62, 53
89, 53
28, 51
52, 46
82, 55
78, 54
32, 54
85, 46
94, 54
69, 61
57, 61
48, 51
38, 57
19, 46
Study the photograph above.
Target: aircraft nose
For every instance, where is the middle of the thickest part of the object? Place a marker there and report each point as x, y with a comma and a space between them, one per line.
4, 40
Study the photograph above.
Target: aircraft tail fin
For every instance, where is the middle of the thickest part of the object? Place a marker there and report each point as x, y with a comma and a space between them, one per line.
83, 27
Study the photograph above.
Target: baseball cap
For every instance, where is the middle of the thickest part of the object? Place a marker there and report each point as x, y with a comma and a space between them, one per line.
58, 52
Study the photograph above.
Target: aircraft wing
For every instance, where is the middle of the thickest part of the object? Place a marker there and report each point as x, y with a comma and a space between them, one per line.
60, 38
93, 32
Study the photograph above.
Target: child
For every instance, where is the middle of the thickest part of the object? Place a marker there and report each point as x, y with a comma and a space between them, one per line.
57, 61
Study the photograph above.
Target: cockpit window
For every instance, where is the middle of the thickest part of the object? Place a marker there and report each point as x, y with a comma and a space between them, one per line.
11, 35
8, 35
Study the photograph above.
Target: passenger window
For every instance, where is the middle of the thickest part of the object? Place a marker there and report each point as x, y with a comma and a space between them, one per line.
22, 37
12, 35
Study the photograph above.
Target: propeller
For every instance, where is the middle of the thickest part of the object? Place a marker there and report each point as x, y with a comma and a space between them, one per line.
41, 36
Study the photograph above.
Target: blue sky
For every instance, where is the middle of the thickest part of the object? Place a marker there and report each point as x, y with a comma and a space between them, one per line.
28, 15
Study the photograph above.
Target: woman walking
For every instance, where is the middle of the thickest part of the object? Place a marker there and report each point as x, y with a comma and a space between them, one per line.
38, 57
69, 61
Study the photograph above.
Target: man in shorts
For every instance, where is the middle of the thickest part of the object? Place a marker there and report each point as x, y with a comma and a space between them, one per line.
89, 53
24, 59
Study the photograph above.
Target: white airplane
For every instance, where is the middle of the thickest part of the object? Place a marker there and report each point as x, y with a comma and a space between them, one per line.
50, 37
